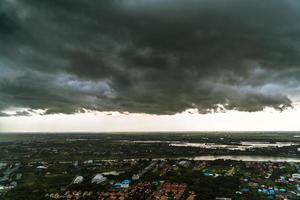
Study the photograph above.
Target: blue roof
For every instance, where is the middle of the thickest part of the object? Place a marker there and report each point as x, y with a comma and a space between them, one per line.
282, 190
126, 181
245, 190
271, 192
264, 190
207, 174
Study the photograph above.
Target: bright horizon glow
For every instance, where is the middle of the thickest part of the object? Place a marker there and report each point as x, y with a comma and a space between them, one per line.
267, 120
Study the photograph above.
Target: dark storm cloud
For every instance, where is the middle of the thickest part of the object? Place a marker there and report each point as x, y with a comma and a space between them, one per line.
150, 56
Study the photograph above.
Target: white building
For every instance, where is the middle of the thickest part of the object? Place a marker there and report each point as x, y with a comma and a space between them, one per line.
78, 180
99, 178
88, 162
297, 176
41, 167
135, 177
113, 173
184, 163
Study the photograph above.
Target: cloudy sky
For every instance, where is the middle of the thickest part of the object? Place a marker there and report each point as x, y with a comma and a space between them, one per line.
149, 65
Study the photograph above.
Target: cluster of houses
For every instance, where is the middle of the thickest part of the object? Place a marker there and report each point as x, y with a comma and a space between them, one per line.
256, 174
288, 187
10, 177
69, 195
130, 188
284, 186
139, 190
169, 191
97, 179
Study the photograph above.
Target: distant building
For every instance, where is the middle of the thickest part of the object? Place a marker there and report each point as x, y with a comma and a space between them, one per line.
76, 164
207, 174
18, 176
88, 162
123, 184
41, 167
3, 165
184, 163
112, 173
135, 177
78, 179
296, 176
99, 178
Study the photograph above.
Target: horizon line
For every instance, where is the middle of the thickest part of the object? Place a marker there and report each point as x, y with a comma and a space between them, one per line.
124, 132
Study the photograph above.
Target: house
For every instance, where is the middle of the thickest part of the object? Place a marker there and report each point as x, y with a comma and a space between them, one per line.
135, 177
99, 178
88, 162
123, 184
78, 179
184, 163
207, 174
296, 176
41, 167
245, 190
112, 173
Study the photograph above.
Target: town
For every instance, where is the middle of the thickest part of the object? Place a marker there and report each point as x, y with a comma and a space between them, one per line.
107, 167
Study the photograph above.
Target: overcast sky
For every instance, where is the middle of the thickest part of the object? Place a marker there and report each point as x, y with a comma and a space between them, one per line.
147, 61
